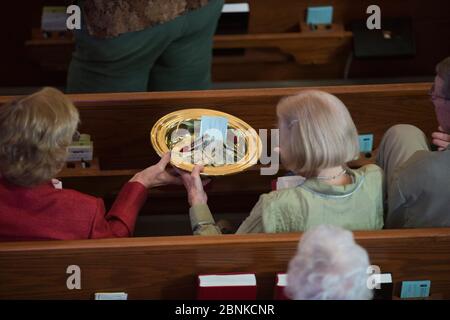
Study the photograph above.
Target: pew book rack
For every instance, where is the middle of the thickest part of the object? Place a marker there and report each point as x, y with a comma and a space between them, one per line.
167, 267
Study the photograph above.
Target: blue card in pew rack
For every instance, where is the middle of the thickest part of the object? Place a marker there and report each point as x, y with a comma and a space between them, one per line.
415, 289
365, 143
214, 127
319, 15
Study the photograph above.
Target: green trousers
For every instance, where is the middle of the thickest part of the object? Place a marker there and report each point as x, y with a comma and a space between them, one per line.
176, 55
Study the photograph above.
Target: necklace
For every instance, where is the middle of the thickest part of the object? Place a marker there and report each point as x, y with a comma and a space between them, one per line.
344, 171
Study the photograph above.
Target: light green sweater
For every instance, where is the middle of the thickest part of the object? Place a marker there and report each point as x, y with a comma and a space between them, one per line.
356, 206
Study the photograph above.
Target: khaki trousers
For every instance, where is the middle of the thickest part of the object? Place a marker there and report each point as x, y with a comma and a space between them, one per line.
399, 143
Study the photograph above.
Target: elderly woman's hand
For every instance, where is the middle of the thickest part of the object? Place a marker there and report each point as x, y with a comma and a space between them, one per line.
157, 175
441, 139
194, 186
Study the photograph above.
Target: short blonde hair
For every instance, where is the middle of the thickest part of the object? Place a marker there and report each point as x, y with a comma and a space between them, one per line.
316, 132
35, 132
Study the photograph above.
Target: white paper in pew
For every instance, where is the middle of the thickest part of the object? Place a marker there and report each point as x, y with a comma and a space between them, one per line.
111, 296
232, 280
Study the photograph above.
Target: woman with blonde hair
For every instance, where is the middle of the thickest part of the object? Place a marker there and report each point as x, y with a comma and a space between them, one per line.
319, 138
35, 132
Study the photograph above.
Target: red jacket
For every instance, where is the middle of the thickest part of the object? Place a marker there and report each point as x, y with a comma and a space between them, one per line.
46, 213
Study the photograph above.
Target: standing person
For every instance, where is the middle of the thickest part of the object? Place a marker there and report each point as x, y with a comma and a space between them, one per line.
144, 45
417, 178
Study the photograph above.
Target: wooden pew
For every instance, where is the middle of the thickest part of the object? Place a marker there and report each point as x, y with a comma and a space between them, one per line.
166, 267
275, 48
120, 125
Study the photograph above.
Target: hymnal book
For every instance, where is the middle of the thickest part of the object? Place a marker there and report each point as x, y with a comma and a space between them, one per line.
386, 287
280, 285
234, 19
227, 287
81, 149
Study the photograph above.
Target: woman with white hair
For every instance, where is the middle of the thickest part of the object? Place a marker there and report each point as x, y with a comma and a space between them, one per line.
319, 139
329, 265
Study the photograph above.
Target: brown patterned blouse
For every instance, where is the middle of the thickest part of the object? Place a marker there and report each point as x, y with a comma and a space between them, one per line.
110, 18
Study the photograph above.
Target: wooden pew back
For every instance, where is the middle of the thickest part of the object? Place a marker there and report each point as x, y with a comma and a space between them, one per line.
120, 123
166, 267
268, 16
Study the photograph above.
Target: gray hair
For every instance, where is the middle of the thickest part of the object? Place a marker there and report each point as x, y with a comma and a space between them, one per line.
329, 265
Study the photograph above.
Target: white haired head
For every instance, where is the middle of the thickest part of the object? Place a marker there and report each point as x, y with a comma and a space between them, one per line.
329, 265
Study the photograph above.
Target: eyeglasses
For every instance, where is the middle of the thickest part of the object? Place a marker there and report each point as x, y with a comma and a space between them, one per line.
434, 96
